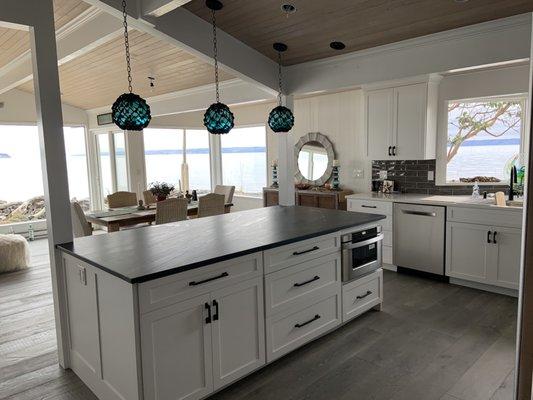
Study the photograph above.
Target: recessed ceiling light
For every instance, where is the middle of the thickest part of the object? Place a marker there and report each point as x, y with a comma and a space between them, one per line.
337, 45
288, 8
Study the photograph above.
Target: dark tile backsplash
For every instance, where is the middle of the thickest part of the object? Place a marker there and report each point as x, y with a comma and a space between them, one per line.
411, 176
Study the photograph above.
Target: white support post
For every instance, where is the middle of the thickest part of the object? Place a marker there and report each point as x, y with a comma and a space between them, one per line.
53, 159
215, 155
136, 164
286, 161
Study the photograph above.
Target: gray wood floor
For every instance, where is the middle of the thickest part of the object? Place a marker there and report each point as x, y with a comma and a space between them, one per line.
431, 341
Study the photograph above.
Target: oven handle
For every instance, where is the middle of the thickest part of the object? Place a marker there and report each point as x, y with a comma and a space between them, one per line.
349, 246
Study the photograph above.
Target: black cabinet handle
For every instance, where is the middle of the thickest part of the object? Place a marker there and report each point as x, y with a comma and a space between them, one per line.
315, 278
488, 236
297, 253
307, 322
393, 150
222, 275
368, 293
390, 148
208, 318
494, 237
365, 206
215, 315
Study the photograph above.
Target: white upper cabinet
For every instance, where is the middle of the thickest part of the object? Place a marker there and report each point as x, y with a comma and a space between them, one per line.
400, 120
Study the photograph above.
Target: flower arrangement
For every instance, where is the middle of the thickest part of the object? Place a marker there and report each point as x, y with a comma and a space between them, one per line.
161, 190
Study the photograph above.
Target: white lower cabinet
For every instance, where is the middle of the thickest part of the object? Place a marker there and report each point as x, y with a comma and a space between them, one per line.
176, 343
199, 345
484, 254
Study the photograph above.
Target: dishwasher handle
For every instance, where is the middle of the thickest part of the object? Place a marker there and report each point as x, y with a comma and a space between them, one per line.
421, 213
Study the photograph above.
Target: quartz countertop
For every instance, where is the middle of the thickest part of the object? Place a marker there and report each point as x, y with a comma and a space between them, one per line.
143, 254
436, 200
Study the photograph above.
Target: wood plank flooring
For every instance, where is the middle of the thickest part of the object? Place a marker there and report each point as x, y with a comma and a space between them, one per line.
432, 341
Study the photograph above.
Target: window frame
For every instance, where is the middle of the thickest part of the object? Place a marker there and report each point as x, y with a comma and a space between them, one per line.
442, 144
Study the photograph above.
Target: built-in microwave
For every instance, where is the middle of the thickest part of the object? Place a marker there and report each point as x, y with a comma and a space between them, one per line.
361, 252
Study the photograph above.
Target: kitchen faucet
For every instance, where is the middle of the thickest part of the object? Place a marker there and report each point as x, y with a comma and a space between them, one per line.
512, 180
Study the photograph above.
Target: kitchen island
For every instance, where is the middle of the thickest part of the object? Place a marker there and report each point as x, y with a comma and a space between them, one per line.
182, 310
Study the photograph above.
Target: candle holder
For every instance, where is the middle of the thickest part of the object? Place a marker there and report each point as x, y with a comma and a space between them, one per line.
275, 174
335, 184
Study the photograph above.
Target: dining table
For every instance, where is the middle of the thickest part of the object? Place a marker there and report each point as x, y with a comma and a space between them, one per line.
116, 218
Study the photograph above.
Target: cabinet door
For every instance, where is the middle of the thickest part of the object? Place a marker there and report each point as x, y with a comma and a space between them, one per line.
507, 258
238, 331
409, 121
468, 252
379, 117
176, 351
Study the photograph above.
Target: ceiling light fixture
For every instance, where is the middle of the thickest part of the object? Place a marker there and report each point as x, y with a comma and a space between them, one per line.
337, 45
218, 118
280, 118
130, 111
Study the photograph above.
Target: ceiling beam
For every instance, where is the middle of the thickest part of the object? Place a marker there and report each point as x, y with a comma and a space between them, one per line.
498, 41
185, 30
157, 8
86, 32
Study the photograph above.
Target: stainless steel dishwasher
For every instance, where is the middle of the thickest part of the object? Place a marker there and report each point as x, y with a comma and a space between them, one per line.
419, 235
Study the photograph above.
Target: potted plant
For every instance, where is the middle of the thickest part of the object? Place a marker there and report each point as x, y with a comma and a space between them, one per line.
161, 190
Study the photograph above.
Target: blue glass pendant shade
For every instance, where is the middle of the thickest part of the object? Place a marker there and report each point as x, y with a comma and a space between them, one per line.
218, 119
131, 112
281, 119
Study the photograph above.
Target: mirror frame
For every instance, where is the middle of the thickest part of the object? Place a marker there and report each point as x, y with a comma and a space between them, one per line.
324, 141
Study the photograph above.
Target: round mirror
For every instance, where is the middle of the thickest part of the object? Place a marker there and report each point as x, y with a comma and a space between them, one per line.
314, 157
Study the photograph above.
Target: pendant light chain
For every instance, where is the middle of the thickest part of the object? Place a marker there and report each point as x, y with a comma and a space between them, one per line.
127, 45
215, 53
280, 81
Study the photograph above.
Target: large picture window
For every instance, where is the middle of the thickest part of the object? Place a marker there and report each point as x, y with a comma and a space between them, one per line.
484, 139
244, 160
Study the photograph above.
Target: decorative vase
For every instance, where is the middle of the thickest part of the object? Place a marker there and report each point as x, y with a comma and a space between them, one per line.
161, 197
335, 184
275, 174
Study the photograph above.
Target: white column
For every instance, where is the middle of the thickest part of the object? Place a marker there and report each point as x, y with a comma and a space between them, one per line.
286, 161
524, 342
215, 155
136, 165
53, 160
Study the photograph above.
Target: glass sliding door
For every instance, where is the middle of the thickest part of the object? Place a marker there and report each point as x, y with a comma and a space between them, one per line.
112, 163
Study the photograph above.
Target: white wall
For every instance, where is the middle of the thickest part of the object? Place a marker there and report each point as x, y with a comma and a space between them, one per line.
468, 85
19, 108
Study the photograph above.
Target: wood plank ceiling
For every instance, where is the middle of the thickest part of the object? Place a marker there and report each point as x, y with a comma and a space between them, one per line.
96, 78
14, 42
359, 24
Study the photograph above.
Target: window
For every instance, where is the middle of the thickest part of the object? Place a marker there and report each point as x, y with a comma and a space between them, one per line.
163, 149
78, 176
244, 160
484, 139
21, 180
112, 163
198, 159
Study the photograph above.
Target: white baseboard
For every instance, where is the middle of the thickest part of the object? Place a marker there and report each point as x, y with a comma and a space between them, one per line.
482, 286
390, 267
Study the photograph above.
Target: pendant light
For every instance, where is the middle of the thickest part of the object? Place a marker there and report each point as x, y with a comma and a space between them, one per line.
218, 118
130, 111
280, 118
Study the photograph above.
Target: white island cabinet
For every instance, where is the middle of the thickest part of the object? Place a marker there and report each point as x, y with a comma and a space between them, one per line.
191, 333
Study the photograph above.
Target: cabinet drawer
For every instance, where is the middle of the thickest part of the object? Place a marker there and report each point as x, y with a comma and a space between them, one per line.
370, 206
494, 216
287, 331
172, 289
361, 295
299, 252
293, 287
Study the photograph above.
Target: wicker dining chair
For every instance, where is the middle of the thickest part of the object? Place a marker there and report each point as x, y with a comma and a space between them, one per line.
171, 210
149, 198
227, 191
211, 204
122, 199
80, 226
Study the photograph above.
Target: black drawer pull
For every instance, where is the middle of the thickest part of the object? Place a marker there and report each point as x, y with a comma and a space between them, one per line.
393, 150
390, 147
494, 237
368, 293
315, 278
215, 315
222, 275
365, 206
208, 318
297, 253
308, 322
488, 236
